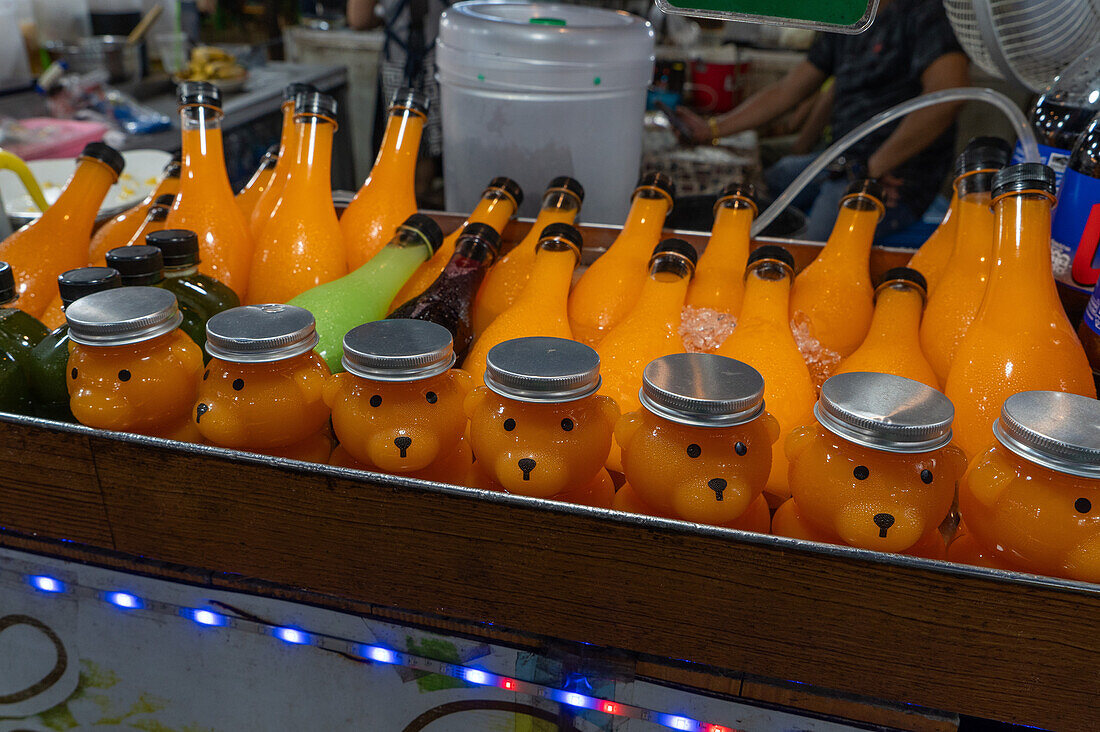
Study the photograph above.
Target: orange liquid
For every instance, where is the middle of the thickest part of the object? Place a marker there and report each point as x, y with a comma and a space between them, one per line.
540, 310
1021, 339
56, 241
494, 210
148, 226
120, 230
250, 194
719, 281
955, 301
834, 292
265, 202
148, 387
302, 245
608, 289
756, 518
892, 346
455, 467
206, 206
789, 521
763, 340
1027, 517
931, 259
508, 277
388, 196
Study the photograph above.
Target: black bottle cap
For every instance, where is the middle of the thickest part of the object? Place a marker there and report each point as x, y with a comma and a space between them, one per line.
412, 99
565, 231
1024, 177
867, 187
178, 247
773, 252
315, 103
291, 91
76, 283
570, 184
659, 181
427, 226
906, 274
483, 231
173, 170
104, 153
7, 283
158, 212
198, 92
677, 246
741, 190
510, 187
138, 265
983, 153
166, 199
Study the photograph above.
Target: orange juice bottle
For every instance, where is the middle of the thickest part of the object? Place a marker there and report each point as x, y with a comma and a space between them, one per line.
130, 367
834, 292
57, 240
121, 229
265, 202
560, 204
1021, 339
952, 307
542, 308
608, 289
763, 339
498, 204
719, 282
892, 346
263, 390
302, 245
258, 183
1031, 501
388, 196
205, 201
652, 328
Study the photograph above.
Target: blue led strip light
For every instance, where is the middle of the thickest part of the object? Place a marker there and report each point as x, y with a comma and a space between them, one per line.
210, 618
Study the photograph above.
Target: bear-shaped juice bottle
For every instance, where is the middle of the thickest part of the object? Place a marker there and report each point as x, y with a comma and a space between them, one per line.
1031, 502
700, 449
538, 428
876, 469
263, 390
130, 368
398, 406
719, 282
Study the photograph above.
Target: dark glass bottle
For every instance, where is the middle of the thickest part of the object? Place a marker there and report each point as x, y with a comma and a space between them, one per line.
180, 251
49, 359
449, 300
19, 334
1075, 228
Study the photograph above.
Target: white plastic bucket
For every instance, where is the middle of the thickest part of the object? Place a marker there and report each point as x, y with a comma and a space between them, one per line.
534, 91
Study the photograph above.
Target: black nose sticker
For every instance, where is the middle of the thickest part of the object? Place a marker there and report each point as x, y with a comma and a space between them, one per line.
403, 443
527, 465
883, 521
718, 485
199, 411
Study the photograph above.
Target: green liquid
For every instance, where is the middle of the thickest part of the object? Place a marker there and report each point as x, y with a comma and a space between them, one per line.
200, 298
19, 334
48, 367
15, 396
359, 297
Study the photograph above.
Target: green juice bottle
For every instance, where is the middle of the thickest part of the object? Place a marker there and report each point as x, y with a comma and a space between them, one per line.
19, 334
365, 294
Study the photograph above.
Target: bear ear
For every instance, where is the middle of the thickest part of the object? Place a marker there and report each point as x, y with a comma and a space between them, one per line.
798, 440
332, 387
462, 379
626, 428
474, 400
771, 426
956, 459
609, 408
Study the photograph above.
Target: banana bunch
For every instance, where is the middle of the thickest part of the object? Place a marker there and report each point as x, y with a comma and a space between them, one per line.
209, 63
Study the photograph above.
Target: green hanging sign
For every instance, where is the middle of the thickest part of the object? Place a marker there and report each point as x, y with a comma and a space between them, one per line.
836, 16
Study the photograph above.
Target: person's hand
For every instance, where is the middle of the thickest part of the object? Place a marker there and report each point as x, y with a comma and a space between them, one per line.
696, 125
891, 186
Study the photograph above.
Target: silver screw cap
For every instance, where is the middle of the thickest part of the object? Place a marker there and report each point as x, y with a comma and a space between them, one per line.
398, 350
702, 390
542, 369
885, 412
123, 316
1053, 429
261, 333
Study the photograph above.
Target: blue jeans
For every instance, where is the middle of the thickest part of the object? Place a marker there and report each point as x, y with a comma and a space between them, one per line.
821, 199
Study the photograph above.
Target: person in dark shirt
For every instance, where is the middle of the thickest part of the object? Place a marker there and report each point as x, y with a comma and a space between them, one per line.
909, 50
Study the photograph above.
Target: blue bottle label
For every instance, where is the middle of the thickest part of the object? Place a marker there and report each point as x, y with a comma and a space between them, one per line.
1075, 231
1055, 157
1092, 311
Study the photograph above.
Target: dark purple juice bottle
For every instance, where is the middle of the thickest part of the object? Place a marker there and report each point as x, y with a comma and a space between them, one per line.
449, 300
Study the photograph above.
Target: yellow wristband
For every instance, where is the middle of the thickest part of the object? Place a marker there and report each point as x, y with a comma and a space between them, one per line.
714, 132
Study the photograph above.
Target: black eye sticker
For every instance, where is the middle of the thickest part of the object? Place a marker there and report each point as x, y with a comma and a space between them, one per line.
740, 448
926, 476
74, 373
509, 424
567, 424
376, 401
1082, 505
694, 451
238, 384
124, 375
861, 472
431, 397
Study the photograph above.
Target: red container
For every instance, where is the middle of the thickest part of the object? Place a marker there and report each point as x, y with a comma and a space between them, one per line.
717, 87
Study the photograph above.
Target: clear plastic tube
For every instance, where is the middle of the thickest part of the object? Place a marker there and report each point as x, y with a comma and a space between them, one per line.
969, 93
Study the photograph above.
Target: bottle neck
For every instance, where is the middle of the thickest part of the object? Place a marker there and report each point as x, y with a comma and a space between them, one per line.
854, 231
767, 293
898, 308
730, 234
202, 143
1021, 257
645, 220
551, 275
471, 249
974, 240
313, 150
83, 194
185, 270
400, 145
559, 200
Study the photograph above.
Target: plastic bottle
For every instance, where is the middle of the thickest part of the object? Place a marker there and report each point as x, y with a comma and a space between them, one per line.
538, 428
205, 202
542, 307
122, 228
48, 365
652, 328
58, 239
263, 388
365, 294
876, 469
260, 181
1031, 501
834, 292
450, 299
388, 197
302, 245
892, 345
498, 204
560, 205
700, 449
265, 203
608, 289
719, 282
1089, 331
19, 334
399, 406
130, 368
1075, 228
1021, 339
